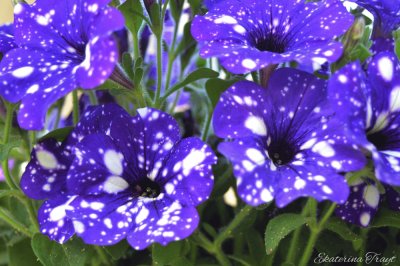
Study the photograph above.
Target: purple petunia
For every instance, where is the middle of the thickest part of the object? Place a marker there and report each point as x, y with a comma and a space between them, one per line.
249, 35
370, 103
286, 143
386, 14
386, 20
362, 203
132, 177
7, 38
364, 200
62, 45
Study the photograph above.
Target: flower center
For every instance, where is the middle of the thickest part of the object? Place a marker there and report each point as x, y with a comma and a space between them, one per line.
147, 188
380, 140
271, 42
281, 152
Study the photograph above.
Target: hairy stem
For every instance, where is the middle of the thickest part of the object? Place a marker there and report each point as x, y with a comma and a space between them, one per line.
314, 236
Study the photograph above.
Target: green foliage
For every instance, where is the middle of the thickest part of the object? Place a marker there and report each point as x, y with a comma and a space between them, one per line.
132, 9
215, 87
7, 147
279, 227
21, 254
170, 254
59, 134
117, 251
198, 74
50, 253
340, 227
386, 218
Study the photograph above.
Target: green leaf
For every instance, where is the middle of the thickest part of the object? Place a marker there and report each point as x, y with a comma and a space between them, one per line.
117, 251
21, 254
6, 148
195, 5
59, 134
72, 253
133, 21
256, 245
279, 227
198, 74
360, 52
386, 218
155, 18
127, 65
164, 255
181, 262
329, 243
339, 227
176, 7
397, 48
215, 87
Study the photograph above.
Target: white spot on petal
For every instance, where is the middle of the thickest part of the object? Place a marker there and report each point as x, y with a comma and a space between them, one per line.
23, 72
386, 68
371, 196
113, 162
46, 159
256, 125
365, 218
115, 184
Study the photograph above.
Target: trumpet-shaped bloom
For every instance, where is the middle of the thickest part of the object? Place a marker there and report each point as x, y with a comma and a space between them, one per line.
62, 45
364, 201
370, 103
142, 183
386, 14
131, 177
250, 35
286, 143
361, 205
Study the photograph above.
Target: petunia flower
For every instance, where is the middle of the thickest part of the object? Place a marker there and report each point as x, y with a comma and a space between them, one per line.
386, 20
386, 15
142, 183
132, 178
45, 179
249, 35
285, 141
62, 45
370, 103
46, 174
364, 202
6, 38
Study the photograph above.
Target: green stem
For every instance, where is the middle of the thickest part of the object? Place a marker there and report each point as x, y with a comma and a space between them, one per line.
136, 48
309, 248
7, 217
6, 137
93, 98
159, 70
293, 248
175, 102
361, 252
75, 106
207, 245
206, 126
314, 236
225, 234
171, 55
31, 213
